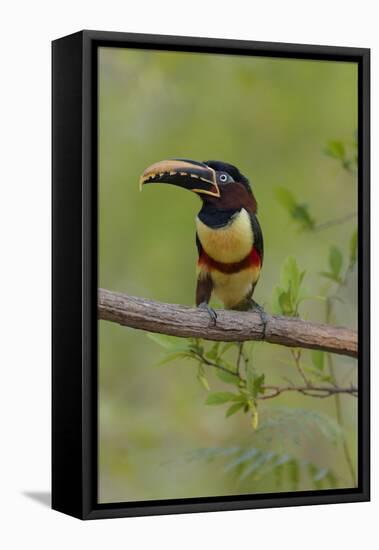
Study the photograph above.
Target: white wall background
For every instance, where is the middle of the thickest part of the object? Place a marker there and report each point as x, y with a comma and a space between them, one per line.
26, 31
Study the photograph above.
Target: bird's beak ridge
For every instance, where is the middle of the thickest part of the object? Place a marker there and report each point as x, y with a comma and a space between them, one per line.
189, 174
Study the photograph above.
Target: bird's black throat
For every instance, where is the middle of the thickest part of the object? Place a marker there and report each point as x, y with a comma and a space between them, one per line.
216, 217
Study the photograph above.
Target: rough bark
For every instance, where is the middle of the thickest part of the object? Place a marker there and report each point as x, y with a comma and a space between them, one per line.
183, 321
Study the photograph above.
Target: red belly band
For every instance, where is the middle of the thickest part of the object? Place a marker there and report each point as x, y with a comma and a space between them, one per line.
251, 260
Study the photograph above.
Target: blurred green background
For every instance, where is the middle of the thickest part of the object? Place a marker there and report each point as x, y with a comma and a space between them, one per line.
272, 118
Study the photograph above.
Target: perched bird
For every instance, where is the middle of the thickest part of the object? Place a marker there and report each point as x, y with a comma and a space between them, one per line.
228, 236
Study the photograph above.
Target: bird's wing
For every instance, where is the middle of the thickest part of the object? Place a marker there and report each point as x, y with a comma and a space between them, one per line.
258, 237
198, 245
204, 282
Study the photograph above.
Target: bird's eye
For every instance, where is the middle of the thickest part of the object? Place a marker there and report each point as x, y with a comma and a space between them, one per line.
223, 178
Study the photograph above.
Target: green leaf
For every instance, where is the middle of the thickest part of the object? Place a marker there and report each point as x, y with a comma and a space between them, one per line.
318, 359
219, 398
171, 357
288, 272
227, 377
291, 277
335, 149
227, 365
275, 304
298, 212
300, 279
257, 385
335, 260
233, 409
204, 382
285, 303
301, 214
213, 352
353, 248
286, 297
168, 342
254, 382
227, 346
254, 418
331, 276
318, 374
250, 377
285, 198
348, 164
314, 297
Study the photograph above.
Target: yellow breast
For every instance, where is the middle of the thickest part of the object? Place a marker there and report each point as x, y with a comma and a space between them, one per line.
228, 244
233, 289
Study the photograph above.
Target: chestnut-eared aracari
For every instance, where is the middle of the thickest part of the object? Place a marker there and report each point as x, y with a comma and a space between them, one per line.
228, 236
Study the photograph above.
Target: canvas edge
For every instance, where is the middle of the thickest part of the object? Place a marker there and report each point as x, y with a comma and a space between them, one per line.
83, 499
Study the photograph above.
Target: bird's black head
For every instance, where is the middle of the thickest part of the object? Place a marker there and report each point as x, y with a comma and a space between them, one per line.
214, 181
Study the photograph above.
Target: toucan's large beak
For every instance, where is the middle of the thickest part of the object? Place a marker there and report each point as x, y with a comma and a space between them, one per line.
189, 174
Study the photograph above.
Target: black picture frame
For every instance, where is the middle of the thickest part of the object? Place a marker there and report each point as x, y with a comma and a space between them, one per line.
74, 273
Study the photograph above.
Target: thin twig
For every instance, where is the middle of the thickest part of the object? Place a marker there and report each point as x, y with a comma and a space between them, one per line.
214, 365
297, 356
314, 391
240, 350
331, 223
310, 391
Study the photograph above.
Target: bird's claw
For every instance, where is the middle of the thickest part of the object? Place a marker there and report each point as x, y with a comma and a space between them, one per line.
262, 314
211, 312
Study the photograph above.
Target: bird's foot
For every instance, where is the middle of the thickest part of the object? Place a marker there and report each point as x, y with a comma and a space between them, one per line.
211, 312
262, 314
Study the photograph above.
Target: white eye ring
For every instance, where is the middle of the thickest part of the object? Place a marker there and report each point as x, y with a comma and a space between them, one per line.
223, 178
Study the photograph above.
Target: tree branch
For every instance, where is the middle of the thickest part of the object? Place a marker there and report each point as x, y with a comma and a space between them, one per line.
232, 326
